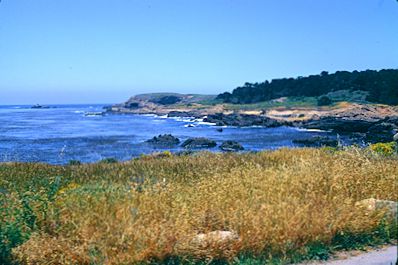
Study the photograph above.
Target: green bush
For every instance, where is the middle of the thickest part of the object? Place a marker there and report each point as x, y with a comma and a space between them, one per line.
109, 160
386, 149
16, 223
324, 101
74, 163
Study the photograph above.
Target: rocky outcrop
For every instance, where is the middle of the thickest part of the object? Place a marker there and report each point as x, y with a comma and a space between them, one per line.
37, 106
372, 205
395, 138
317, 141
373, 130
339, 125
215, 238
231, 146
380, 132
182, 114
242, 120
164, 140
199, 142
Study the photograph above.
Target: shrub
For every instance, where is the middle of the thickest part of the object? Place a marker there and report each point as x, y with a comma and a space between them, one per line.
324, 101
386, 149
15, 225
109, 160
74, 163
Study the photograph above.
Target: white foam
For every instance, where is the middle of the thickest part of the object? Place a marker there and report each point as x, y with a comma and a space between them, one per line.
207, 123
309, 130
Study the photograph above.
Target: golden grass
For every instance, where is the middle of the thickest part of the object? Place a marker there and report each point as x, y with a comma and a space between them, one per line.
150, 209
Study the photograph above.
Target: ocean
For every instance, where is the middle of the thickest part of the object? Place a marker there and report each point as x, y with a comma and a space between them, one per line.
65, 132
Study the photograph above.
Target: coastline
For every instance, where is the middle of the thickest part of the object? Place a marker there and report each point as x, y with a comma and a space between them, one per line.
360, 121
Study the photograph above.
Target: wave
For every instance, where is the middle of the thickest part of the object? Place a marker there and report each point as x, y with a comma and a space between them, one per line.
310, 130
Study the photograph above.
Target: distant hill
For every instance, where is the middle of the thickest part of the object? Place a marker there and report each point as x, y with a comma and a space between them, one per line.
380, 87
173, 98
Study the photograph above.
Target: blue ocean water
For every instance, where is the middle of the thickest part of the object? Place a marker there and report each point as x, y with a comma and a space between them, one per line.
63, 133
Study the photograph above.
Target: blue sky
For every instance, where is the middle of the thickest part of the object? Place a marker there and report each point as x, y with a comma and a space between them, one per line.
87, 51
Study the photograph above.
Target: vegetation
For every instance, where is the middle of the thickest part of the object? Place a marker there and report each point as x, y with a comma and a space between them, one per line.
283, 205
387, 149
324, 101
173, 98
380, 87
290, 102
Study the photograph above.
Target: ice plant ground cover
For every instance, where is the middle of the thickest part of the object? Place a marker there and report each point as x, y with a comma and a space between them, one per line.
280, 206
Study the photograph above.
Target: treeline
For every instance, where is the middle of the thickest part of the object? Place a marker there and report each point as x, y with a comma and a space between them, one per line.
382, 87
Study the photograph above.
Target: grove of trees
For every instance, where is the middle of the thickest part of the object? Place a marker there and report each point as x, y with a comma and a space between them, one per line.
382, 87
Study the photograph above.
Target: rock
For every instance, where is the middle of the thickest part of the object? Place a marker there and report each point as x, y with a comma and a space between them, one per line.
242, 120
215, 238
396, 137
91, 114
380, 133
317, 141
231, 146
219, 130
199, 142
132, 105
373, 204
37, 106
339, 125
164, 140
181, 114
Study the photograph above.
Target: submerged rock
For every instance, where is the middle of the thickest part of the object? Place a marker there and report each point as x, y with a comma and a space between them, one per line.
199, 142
231, 146
317, 141
164, 140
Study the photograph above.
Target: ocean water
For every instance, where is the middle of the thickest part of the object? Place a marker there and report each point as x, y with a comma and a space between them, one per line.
63, 133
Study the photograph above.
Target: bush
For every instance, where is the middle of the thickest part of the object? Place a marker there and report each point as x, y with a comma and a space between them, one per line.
386, 149
74, 163
324, 101
109, 160
14, 225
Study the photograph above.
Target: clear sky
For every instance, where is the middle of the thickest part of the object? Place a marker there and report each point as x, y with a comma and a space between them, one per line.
87, 51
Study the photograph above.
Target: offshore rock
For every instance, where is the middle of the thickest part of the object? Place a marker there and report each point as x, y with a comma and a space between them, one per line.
199, 142
231, 146
164, 140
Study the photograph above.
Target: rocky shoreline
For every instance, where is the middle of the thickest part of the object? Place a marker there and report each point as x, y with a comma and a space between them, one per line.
363, 122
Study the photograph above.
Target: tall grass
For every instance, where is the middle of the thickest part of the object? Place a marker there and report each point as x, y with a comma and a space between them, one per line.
282, 204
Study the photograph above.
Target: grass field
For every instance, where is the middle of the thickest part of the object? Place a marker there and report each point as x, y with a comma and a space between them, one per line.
284, 206
290, 102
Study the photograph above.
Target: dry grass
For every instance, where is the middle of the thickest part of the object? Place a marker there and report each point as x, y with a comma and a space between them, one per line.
150, 209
